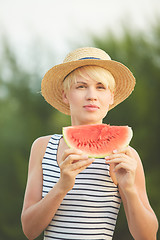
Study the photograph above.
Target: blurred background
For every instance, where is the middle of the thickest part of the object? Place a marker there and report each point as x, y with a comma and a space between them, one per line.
34, 36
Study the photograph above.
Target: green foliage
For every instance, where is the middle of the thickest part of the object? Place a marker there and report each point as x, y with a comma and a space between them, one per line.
141, 54
25, 116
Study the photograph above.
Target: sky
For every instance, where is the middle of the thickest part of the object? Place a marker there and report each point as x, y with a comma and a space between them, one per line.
59, 24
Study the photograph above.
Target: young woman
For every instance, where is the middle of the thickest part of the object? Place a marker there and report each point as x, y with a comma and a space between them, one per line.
71, 196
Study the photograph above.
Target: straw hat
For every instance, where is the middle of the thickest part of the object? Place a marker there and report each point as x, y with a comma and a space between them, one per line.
51, 86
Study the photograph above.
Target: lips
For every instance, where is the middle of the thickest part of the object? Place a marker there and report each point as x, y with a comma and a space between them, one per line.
91, 107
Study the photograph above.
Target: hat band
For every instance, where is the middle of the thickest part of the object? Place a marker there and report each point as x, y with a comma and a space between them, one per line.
89, 58
84, 59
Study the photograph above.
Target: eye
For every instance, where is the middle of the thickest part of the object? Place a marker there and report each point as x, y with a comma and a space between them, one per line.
81, 86
101, 86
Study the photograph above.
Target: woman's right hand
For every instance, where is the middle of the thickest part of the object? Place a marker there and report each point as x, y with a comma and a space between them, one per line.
72, 163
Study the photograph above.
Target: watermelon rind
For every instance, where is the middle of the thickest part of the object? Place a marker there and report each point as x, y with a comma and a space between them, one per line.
65, 131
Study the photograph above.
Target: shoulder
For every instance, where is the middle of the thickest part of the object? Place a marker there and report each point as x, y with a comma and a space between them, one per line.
39, 146
140, 175
136, 156
133, 152
41, 141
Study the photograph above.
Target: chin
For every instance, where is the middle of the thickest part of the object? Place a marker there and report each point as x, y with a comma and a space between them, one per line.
91, 121
88, 119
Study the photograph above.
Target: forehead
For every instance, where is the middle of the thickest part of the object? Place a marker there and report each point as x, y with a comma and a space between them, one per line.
82, 75
88, 80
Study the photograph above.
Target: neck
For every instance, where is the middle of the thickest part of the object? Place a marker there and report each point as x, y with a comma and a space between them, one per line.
76, 123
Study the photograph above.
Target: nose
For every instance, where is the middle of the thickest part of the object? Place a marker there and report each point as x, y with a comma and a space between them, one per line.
91, 94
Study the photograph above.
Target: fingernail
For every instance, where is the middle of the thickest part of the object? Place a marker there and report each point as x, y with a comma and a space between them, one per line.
92, 159
115, 151
85, 156
79, 151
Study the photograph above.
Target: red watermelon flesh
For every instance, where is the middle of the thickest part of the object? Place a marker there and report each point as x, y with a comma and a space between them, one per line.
97, 140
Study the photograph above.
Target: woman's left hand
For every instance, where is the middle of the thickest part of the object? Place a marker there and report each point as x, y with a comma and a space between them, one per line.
124, 166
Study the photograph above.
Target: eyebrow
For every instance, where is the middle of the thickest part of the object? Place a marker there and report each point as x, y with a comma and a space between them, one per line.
81, 82
98, 83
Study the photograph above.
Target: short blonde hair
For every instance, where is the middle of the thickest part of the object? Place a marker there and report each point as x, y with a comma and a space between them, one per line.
96, 73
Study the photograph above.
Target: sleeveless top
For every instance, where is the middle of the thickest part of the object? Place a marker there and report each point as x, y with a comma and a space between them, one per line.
90, 209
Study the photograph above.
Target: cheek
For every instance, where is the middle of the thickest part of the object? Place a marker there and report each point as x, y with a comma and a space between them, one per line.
106, 97
110, 97
74, 98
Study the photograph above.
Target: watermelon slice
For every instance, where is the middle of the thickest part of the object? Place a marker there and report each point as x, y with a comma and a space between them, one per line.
97, 140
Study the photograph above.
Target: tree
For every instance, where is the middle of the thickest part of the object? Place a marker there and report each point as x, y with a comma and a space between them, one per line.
25, 116
141, 54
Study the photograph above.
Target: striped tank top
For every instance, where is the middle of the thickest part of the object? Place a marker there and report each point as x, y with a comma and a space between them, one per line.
90, 209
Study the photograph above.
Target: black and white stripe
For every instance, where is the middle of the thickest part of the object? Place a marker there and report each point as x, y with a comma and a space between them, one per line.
90, 209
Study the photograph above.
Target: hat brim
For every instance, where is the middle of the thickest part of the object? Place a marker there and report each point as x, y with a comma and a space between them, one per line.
51, 86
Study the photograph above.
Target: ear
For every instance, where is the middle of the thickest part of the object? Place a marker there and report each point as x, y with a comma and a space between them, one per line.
65, 98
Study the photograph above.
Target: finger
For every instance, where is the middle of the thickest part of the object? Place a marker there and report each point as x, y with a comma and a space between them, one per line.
116, 161
72, 158
77, 171
126, 150
70, 151
121, 157
81, 165
124, 166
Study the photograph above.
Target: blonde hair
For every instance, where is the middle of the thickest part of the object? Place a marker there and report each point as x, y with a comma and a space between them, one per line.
96, 73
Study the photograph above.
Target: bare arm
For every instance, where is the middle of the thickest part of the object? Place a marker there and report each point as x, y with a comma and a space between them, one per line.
37, 212
35, 208
129, 173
